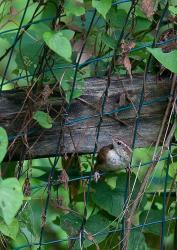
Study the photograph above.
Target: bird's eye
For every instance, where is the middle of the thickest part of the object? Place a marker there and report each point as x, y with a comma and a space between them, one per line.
119, 143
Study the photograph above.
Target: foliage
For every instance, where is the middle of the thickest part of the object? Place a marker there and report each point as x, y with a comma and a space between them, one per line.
168, 60
10, 230
59, 39
3, 143
102, 6
43, 119
11, 198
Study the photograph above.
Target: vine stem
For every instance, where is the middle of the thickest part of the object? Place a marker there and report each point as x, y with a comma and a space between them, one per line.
151, 168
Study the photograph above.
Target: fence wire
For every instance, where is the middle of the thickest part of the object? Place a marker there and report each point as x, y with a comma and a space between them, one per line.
45, 67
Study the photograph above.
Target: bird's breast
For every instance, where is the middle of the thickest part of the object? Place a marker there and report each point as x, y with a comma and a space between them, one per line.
115, 161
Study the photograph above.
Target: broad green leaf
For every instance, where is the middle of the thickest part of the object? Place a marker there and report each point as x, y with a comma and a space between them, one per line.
37, 32
59, 43
67, 82
173, 169
151, 216
97, 223
124, 6
10, 230
77, 93
168, 60
107, 198
68, 34
142, 155
28, 62
134, 186
75, 7
11, 166
12, 66
115, 17
20, 6
173, 10
11, 198
71, 223
7, 86
137, 240
102, 6
43, 119
108, 40
159, 178
3, 143
142, 24
12, 13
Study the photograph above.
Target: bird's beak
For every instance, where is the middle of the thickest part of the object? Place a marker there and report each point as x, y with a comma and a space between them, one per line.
115, 146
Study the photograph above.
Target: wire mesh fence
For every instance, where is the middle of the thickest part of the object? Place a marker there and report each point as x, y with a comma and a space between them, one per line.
48, 69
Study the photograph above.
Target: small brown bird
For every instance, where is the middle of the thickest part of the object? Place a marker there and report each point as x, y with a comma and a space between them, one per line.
115, 156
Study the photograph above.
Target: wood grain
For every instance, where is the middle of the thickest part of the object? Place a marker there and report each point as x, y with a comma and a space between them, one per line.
79, 132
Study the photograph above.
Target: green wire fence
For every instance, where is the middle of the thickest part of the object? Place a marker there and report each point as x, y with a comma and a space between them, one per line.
43, 68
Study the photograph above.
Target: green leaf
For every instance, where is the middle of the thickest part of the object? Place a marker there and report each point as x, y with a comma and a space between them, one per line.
168, 60
43, 119
69, 34
71, 223
75, 7
12, 66
115, 17
20, 6
124, 6
102, 6
10, 230
173, 10
134, 186
108, 40
108, 199
97, 223
141, 24
59, 43
151, 216
67, 82
77, 93
176, 134
137, 240
3, 143
11, 198
173, 169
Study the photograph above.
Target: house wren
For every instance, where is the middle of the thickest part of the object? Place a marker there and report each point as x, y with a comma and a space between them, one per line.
113, 157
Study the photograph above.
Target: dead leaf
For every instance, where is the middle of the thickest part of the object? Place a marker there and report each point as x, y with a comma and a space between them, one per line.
127, 46
124, 59
148, 8
128, 65
13, 11
63, 179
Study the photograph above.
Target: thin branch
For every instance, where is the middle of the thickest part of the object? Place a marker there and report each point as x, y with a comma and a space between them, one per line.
152, 167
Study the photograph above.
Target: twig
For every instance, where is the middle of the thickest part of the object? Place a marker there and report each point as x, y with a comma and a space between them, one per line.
152, 167
96, 109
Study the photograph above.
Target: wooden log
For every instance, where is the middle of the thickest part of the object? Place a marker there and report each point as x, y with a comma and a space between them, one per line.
79, 131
